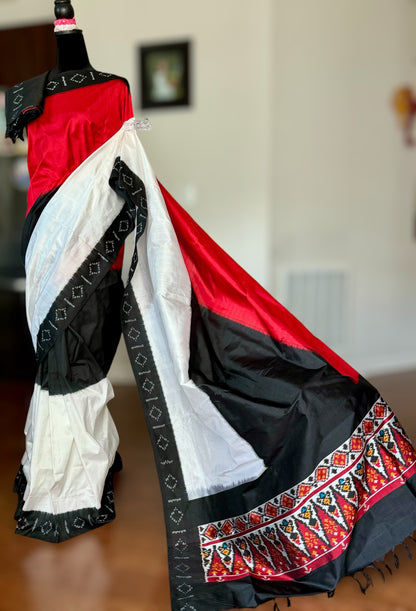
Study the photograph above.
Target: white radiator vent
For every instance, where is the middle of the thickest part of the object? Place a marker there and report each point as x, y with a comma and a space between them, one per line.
318, 298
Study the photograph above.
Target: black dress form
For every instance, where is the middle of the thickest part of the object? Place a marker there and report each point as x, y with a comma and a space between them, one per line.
71, 52
69, 112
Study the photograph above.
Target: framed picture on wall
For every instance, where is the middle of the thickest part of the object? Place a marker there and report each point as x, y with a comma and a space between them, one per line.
165, 75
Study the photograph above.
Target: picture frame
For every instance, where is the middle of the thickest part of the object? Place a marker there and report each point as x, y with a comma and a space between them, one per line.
165, 75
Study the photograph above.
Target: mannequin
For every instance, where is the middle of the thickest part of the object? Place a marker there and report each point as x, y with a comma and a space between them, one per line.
69, 112
71, 50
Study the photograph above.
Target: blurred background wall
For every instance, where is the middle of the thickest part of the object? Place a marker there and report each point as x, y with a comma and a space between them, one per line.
290, 155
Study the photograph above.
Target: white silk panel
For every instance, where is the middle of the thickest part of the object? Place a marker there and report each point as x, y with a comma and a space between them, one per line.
213, 456
68, 229
71, 441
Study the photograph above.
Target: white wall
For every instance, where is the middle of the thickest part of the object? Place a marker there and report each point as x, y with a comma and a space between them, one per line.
291, 146
343, 182
16, 13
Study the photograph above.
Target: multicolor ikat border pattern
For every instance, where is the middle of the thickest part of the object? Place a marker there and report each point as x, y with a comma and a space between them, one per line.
312, 523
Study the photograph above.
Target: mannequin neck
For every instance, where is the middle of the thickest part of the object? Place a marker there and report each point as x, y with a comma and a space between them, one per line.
71, 51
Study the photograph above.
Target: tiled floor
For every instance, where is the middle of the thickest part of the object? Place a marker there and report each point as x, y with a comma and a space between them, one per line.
123, 566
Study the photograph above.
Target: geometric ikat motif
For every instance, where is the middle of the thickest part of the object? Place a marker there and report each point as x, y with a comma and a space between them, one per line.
310, 524
154, 404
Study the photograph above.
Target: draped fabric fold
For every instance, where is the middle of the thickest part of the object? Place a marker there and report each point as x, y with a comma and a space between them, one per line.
281, 469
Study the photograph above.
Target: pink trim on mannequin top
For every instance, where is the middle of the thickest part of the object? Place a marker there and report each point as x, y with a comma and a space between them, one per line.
65, 22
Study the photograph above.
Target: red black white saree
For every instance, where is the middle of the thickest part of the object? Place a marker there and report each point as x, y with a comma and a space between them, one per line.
65, 480
281, 469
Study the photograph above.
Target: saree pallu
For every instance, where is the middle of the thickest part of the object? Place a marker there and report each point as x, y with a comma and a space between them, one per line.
281, 469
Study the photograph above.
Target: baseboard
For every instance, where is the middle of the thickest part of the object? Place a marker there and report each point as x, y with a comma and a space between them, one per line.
384, 364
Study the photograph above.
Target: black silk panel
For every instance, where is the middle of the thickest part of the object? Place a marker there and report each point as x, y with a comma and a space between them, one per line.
289, 404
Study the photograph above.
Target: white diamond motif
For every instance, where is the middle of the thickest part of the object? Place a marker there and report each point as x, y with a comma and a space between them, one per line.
78, 78
155, 413
60, 314
176, 515
95, 268
140, 360
171, 482
128, 180
148, 385
162, 442
133, 334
